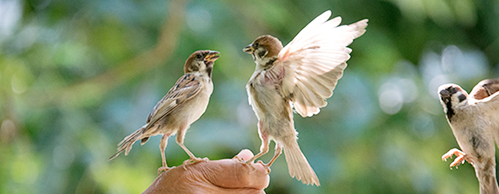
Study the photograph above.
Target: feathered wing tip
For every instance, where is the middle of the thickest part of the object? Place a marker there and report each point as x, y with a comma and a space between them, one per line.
314, 23
126, 144
359, 27
298, 165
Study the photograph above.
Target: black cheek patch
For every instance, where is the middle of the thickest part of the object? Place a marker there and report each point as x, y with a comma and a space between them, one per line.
461, 97
450, 111
209, 70
261, 53
194, 67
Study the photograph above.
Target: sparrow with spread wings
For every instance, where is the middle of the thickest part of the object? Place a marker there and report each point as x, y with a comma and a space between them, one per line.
474, 120
301, 75
184, 103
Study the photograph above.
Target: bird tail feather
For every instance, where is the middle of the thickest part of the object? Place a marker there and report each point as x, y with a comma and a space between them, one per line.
487, 180
126, 144
298, 165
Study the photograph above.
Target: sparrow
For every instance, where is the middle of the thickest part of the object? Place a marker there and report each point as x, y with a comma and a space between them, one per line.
302, 75
184, 103
474, 120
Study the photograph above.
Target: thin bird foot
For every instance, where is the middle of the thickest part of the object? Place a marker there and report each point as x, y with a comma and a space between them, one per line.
163, 168
267, 166
252, 159
239, 159
247, 163
250, 164
459, 160
194, 161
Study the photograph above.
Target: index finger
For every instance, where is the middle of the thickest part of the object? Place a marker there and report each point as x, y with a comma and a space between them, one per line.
231, 173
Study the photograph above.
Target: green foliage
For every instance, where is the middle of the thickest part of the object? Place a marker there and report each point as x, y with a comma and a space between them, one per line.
78, 76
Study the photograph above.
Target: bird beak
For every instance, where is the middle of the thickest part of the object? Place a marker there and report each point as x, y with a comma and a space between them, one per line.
248, 49
212, 56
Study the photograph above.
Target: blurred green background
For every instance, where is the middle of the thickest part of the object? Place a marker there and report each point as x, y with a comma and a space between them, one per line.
77, 76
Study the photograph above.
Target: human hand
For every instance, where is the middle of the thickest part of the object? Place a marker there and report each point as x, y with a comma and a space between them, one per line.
220, 176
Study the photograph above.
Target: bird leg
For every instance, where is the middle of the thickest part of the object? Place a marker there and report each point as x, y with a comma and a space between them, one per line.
461, 157
193, 159
265, 144
180, 141
263, 149
162, 147
277, 153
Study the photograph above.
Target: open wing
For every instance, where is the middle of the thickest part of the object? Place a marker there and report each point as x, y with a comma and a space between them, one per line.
185, 89
486, 96
315, 59
485, 89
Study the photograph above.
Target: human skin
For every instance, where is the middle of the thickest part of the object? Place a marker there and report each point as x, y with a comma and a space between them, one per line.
220, 176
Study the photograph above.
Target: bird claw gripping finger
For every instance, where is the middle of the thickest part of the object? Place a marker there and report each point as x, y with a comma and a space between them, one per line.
250, 164
267, 167
193, 161
239, 159
163, 168
247, 163
459, 159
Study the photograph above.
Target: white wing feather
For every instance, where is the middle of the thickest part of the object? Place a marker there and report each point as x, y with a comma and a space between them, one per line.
315, 60
490, 100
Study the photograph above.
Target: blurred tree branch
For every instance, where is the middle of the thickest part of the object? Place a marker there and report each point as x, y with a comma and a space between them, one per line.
97, 86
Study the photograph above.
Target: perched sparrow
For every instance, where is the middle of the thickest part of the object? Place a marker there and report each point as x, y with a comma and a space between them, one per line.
302, 74
179, 108
474, 120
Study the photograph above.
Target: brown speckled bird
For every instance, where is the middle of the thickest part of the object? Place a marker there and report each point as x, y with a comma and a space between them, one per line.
474, 120
301, 75
184, 103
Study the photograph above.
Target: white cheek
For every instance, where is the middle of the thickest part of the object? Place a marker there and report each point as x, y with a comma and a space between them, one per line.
445, 108
201, 66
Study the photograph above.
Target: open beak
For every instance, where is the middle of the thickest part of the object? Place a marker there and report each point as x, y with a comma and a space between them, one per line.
248, 49
212, 56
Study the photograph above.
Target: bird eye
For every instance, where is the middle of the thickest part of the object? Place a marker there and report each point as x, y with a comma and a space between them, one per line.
199, 56
255, 45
